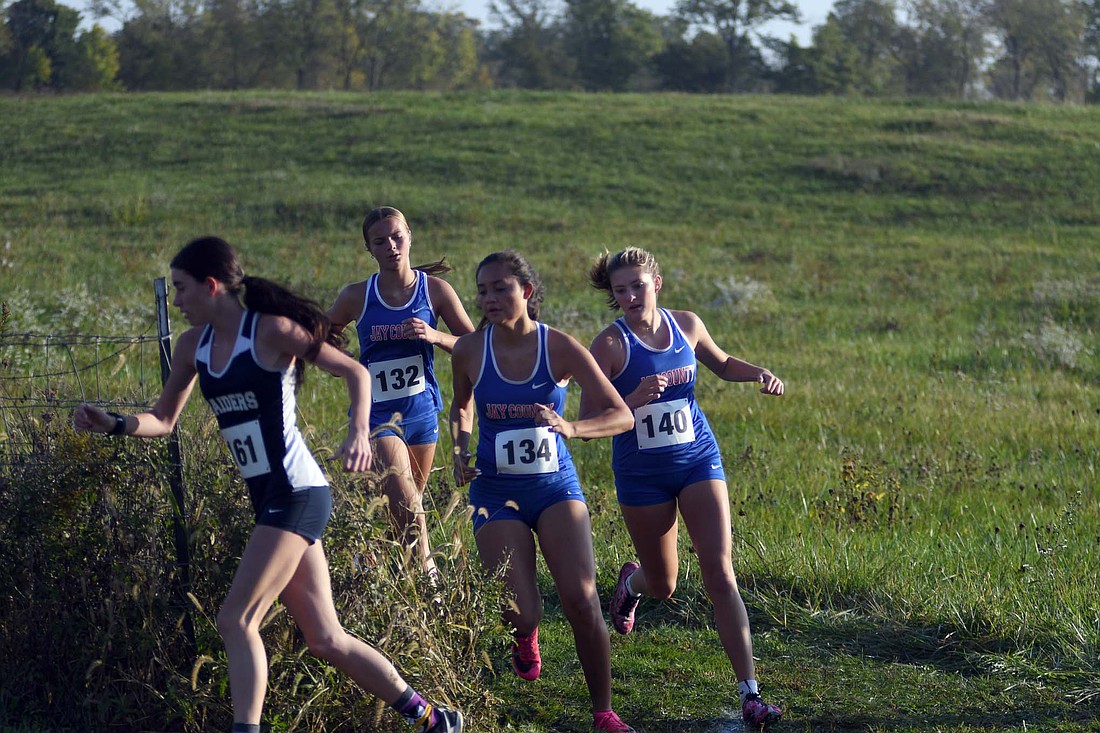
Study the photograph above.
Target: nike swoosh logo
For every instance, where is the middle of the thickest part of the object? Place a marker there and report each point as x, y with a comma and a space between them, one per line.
421, 308
677, 351
273, 511
715, 466
540, 385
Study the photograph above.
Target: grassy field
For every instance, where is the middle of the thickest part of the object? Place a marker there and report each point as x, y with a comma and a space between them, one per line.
915, 521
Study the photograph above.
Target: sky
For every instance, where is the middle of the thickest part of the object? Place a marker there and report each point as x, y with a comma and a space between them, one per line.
813, 13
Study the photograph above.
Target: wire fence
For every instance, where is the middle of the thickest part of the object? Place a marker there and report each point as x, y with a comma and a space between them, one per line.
44, 377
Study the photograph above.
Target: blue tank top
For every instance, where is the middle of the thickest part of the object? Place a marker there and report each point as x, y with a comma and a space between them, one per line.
669, 431
510, 445
402, 370
255, 408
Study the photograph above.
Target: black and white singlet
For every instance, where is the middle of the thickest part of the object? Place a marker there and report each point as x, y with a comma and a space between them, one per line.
255, 408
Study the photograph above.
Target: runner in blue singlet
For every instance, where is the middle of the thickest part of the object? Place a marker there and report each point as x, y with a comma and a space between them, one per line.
396, 314
247, 348
670, 460
512, 375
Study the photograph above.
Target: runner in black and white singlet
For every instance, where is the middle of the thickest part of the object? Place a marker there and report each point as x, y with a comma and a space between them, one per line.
248, 357
512, 376
255, 408
396, 313
670, 461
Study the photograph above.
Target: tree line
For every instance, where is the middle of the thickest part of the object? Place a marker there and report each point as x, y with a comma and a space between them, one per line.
958, 49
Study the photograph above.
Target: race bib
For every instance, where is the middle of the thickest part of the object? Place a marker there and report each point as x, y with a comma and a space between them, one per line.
246, 445
527, 451
661, 424
397, 378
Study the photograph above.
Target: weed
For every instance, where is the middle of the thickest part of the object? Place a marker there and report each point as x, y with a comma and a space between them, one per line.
87, 567
866, 496
1056, 345
744, 296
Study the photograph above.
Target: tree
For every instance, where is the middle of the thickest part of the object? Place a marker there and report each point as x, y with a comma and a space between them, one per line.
230, 43
948, 46
353, 23
698, 65
462, 67
856, 50
1091, 62
41, 31
311, 33
735, 21
832, 61
795, 72
159, 47
528, 49
1042, 43
98, 66
415, 55
39, 48
400, 45
611, 40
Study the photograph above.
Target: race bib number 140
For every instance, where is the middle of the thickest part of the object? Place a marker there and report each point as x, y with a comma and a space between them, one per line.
661, 424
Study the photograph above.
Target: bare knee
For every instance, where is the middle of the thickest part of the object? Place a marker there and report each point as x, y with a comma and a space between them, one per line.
582, 609
327, 645
234, 625
720, 582
660, 587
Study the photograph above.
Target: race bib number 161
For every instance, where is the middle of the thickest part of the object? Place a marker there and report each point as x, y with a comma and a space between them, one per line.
246, 444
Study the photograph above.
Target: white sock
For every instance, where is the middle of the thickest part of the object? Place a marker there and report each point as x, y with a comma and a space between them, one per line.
629, 587
746, 688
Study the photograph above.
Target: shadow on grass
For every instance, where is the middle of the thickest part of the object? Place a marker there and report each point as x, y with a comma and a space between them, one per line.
830, 670
956, 716
842, 670
846, 628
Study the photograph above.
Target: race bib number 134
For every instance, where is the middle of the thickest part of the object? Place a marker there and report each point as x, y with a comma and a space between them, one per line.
529, 450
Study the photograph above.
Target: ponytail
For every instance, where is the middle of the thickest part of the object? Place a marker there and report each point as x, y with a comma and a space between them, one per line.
439, 267
264, 296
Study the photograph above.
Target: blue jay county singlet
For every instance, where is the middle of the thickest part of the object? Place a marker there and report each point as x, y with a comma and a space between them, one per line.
670, 431
510, 445
255, 408
402, 374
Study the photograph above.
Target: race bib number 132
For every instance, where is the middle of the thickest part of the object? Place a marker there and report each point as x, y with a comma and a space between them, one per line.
397, 378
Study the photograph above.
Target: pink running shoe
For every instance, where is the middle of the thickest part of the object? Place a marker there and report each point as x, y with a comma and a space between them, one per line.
526, 660
756, 712
610, 722
622, 603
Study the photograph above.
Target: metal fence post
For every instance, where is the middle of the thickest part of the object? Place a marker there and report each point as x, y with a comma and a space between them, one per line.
175, 475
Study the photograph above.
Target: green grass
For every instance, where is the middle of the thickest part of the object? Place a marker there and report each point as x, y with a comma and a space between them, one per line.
915, 522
